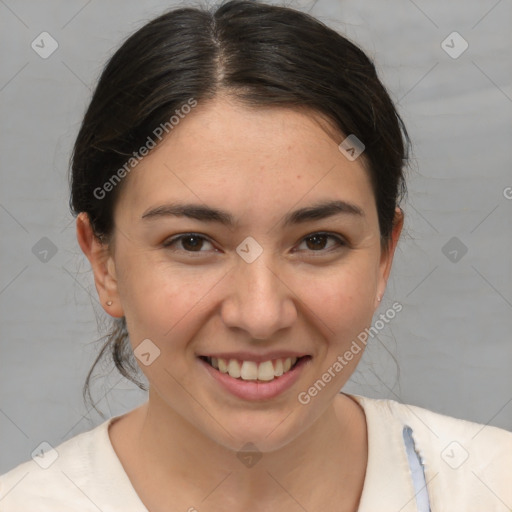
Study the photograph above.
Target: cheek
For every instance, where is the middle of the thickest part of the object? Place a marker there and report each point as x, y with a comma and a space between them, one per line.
343, 299
162, 302
170, 303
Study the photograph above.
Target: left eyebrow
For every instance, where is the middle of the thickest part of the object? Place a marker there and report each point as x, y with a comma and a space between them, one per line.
321, 211
203, 213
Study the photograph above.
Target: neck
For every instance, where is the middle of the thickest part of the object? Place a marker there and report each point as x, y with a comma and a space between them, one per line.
332, 451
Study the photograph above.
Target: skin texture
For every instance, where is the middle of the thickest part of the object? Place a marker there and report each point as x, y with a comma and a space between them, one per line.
179, 449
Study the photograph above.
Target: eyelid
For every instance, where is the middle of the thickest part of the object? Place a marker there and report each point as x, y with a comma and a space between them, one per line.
176, 238
341, 241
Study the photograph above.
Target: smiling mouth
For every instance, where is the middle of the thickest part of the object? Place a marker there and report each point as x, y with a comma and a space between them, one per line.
265, 371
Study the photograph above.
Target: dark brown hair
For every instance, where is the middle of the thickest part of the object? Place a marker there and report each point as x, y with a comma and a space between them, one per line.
259, 54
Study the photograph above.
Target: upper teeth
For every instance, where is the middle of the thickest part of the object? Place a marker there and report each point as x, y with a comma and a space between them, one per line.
250, 370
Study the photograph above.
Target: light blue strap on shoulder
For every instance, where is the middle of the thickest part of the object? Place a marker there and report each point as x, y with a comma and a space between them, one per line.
417, 472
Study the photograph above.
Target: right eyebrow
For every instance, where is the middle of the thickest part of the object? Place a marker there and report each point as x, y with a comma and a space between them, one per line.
192, 211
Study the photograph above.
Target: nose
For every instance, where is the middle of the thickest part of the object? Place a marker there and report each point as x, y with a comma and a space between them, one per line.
259, 302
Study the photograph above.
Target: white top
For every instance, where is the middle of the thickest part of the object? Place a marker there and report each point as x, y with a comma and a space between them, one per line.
466, 466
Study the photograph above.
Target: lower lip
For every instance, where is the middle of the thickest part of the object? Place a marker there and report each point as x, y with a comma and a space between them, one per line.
257, 390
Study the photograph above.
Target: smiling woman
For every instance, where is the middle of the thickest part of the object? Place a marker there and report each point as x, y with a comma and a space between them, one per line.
243, 257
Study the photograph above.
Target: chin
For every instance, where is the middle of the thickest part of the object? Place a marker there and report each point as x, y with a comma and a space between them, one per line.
266, 430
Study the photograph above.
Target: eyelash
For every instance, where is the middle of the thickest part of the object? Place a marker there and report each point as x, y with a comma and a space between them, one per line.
340, 241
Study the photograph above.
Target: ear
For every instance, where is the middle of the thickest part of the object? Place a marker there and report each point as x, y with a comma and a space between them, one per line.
387, 253
102, 263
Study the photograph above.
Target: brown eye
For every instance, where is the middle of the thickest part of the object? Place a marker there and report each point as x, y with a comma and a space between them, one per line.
190, 242
317, 242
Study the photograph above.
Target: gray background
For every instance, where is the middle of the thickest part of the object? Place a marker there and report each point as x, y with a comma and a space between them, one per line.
452, 340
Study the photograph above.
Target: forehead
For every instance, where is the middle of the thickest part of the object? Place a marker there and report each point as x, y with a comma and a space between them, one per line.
223, 153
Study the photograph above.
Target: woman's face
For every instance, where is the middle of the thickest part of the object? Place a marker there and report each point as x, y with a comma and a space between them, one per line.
265, 277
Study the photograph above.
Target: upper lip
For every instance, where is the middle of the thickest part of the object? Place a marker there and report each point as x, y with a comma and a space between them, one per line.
256, 357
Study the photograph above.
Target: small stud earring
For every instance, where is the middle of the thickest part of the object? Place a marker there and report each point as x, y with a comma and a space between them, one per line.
379, 298
109, 303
